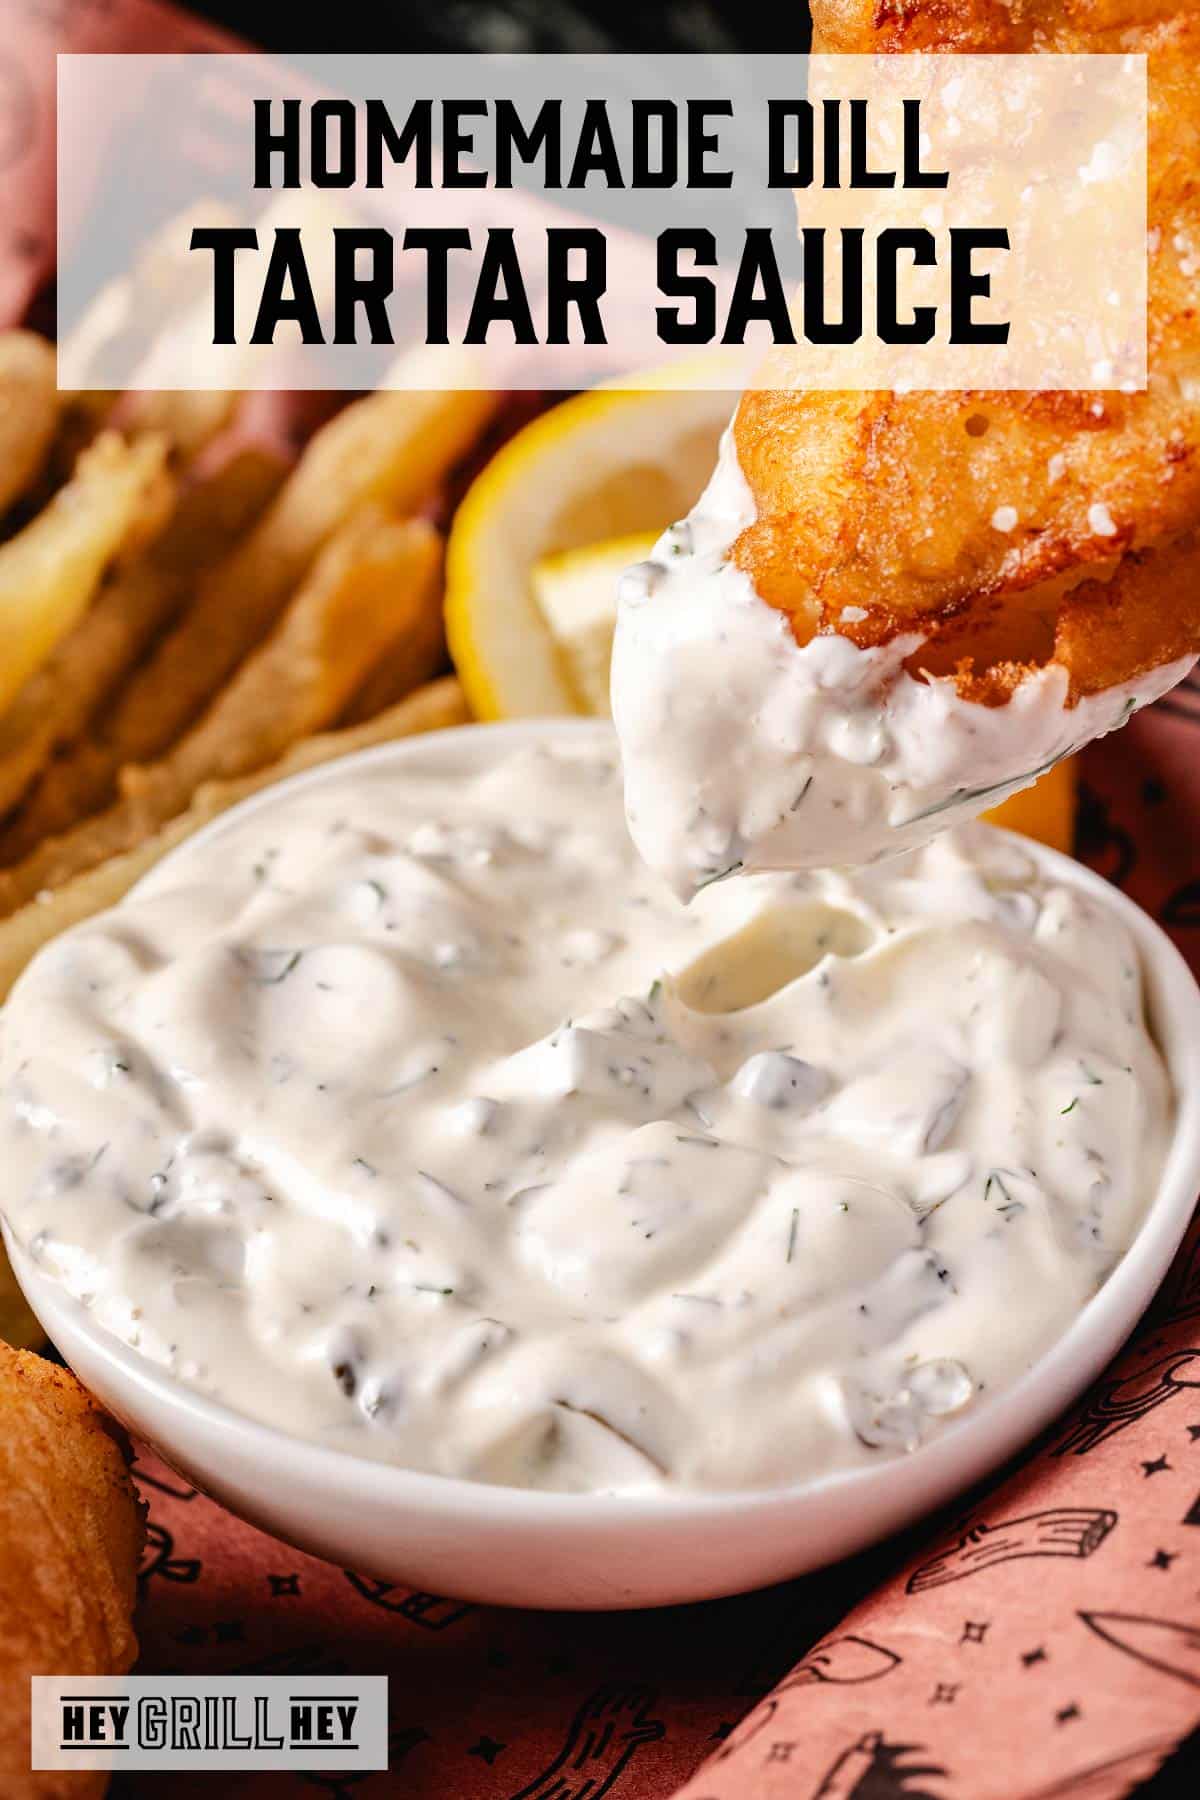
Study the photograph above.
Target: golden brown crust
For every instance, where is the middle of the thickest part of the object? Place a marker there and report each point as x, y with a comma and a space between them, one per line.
885, 502
1143, 616
856, 27
70, 1541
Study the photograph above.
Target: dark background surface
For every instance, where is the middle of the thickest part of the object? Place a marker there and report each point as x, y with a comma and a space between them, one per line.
704, 25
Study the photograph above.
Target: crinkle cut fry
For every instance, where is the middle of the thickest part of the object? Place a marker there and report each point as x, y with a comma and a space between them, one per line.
371, 583
885, 502
391, 448
141, 597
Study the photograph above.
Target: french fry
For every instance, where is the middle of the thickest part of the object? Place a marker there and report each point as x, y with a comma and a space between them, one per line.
431, 708
50, 570
373, 578
417, 654
59, 699
28, 411
390, 448
188, 419
81, 419
135, 306
179, 349
372, 575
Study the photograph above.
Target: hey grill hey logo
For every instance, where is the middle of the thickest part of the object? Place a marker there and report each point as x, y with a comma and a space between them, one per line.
218, 1721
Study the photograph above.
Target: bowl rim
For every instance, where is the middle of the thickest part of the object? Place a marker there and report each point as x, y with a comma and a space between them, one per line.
990, 1429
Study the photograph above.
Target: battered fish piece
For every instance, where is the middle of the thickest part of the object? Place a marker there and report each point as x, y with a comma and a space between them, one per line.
886, 503
71, 1537
960, 588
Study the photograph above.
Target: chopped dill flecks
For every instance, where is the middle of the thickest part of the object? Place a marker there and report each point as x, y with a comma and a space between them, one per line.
801, 796
1066, 1109
718, 875
448, 1193
792, 1230
267, 968
995, 1179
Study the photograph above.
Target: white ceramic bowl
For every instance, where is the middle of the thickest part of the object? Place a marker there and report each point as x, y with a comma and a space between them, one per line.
512, 1547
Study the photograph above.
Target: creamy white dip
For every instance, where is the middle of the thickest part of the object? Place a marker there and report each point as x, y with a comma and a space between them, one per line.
410, 1114
744, 750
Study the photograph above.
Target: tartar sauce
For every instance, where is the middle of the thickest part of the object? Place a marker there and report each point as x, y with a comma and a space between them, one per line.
744, 750
412, 1115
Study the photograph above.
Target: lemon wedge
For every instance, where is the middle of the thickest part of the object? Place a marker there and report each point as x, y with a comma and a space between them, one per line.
576, 594
526, 627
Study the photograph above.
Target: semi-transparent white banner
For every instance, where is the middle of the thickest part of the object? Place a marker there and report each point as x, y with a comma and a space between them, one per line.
548, 221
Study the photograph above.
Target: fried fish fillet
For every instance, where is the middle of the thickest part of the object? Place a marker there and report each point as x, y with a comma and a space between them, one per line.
70, 1541
29, 407
885, 503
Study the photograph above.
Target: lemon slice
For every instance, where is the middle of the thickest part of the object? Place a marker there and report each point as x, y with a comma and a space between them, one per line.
605, 465
576, 594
